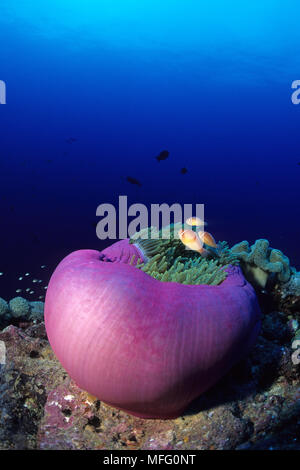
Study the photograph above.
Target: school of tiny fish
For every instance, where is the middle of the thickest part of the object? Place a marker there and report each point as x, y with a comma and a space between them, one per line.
29, 290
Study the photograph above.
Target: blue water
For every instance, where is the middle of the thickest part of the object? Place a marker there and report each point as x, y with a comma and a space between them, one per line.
209, 82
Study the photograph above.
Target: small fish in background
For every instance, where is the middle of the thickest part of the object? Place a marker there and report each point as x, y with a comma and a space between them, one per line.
195, 222
133, 181
299, 163
183, 171
70, 140
163, 155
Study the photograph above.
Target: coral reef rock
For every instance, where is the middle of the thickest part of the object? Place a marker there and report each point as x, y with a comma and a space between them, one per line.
19, 310
292, 287
36, 311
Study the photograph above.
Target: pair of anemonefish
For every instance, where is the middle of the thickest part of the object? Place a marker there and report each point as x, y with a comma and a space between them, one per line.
196, 240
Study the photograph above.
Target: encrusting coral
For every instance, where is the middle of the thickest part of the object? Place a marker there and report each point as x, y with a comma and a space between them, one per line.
168, 260
3, 307
260, 261
18, 307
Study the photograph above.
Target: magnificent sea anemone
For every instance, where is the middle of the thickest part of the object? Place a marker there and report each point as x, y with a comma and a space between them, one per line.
144, 342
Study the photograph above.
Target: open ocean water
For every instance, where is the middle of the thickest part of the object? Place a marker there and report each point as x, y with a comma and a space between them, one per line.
95, 90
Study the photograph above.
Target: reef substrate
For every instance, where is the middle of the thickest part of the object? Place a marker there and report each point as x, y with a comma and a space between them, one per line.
255, 406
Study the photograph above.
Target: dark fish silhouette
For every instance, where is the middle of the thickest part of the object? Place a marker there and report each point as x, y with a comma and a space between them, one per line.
163, 155
71, 140
133, 181
183, 171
